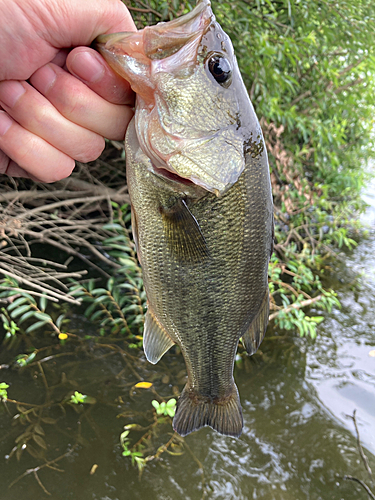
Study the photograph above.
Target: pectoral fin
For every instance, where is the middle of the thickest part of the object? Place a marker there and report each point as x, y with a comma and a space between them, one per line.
184, 235
156, 341
255, 333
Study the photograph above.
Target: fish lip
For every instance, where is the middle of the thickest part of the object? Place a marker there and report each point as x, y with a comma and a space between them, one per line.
188, 26
172, 176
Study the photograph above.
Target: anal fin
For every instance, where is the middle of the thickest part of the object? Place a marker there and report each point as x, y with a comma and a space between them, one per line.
156, 341
254, 335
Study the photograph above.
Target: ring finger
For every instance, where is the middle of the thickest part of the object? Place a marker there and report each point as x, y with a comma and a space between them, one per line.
36, 114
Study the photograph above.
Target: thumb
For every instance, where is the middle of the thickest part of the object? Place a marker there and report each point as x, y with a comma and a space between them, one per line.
79, 23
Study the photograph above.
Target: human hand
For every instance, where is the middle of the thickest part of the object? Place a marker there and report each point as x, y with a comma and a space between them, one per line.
72, 100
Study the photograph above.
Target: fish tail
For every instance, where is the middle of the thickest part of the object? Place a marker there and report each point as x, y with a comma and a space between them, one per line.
194, 411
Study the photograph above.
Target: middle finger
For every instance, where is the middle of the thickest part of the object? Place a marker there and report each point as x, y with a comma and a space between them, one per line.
37, 115
81, 105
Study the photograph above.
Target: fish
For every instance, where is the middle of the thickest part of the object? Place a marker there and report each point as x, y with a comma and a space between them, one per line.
201, 206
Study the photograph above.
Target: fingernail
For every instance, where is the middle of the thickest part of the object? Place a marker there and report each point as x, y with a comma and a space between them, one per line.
87, 67
44, 78
10, 92
5, 123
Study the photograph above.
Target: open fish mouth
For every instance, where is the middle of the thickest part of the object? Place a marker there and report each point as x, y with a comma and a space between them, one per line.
171, 176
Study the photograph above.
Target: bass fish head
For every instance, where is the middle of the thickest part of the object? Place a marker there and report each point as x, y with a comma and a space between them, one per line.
193, 114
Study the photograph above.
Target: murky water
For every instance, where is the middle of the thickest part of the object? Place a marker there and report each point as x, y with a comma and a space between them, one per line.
298, 441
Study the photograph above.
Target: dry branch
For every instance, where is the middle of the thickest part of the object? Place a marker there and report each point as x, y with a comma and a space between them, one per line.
299, 305
69, 218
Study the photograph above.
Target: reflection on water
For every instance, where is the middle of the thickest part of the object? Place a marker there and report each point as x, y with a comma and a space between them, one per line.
339, 366
297, 443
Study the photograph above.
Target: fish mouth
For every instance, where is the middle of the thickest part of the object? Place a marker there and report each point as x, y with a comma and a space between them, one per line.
172, 176
140, 57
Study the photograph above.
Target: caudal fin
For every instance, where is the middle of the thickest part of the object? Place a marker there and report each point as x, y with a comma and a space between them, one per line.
195, 411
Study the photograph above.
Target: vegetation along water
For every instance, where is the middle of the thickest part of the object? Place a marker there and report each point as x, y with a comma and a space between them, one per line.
77, 394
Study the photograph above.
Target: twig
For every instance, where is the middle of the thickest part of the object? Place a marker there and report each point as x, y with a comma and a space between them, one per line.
48, 294
146, 11
31, 292
300, 97
300, 305
151, 10
37, 469
200, 465
364, 486
14, 196
40, 483
360, 449
62, 203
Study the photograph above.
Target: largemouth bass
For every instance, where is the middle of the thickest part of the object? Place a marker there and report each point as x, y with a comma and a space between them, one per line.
202, 213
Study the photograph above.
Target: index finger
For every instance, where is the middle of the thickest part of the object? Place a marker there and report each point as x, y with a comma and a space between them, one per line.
89, 67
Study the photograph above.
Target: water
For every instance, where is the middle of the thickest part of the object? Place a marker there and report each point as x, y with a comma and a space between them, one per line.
339, 365
297, 395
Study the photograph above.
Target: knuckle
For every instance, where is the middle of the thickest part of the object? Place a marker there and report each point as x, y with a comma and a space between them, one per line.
91, 151
64, 102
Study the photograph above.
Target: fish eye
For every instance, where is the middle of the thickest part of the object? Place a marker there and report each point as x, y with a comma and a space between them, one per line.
220, 68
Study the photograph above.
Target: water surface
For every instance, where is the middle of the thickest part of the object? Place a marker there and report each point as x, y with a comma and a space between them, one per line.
298, 441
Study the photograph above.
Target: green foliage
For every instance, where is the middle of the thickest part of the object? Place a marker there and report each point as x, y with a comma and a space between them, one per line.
136, 456
25, 314
78, 398
3, 391
309, 67
9, 325
165, 408
119, 305
164, 411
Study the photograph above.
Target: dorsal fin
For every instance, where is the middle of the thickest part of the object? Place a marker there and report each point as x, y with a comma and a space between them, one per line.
156, 341
254, 335
184, 235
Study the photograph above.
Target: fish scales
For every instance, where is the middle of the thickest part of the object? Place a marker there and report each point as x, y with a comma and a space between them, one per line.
199, 184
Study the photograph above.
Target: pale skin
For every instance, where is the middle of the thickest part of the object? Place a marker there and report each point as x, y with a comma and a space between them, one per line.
58, 97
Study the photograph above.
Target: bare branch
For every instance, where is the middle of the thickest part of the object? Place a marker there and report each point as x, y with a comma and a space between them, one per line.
298, 305
364, 486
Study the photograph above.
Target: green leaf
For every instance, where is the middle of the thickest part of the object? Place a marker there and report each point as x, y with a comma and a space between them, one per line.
43, 303
16, 303
155, 404
36, 326
43, 316
59, 320
26, 316
20, 310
